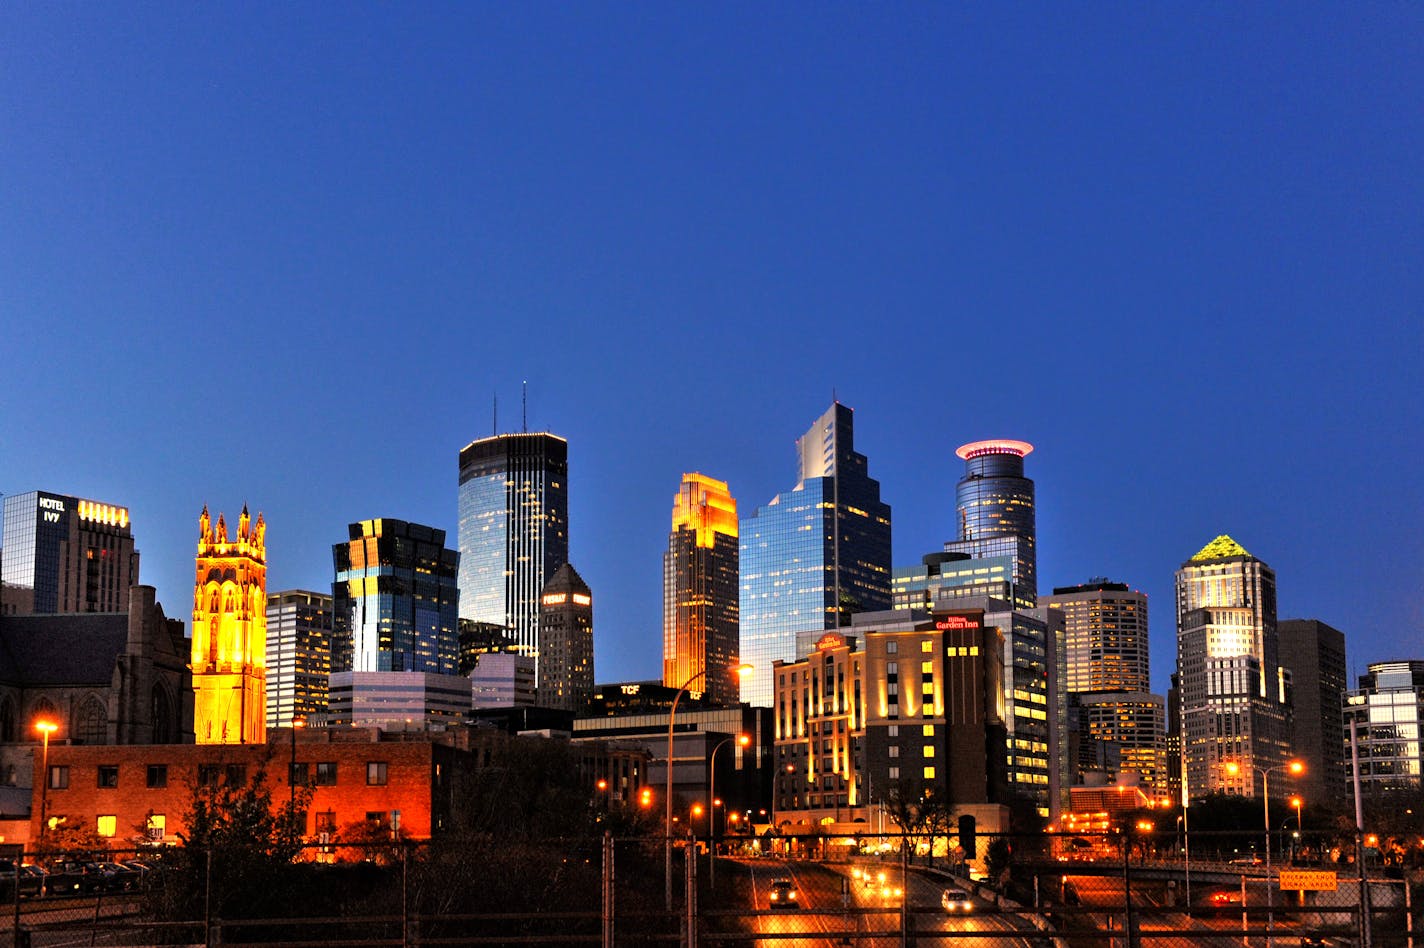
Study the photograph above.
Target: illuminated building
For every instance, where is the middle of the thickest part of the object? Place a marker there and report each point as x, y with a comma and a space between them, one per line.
298, 655
1235, 700
700, 594
394, 600
65, 554
566, 642
1388, 715
229, 650
513, 530
814, 555
1108, 675
995, 512
1315, 654
895, 704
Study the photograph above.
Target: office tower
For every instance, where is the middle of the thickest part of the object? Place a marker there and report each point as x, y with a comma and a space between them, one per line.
1387, 714
566, 642
65, 554
1315, 655
229, 648
394, 600
503, 680
995, 509
814, 555
513, 535
1235, 704
298, 655
1108, 678
700, 594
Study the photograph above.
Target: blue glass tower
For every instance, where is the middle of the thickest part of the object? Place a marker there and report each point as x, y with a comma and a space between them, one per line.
394, 601
815, 554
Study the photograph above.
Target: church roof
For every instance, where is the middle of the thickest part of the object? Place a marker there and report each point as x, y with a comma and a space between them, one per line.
1219, 549
75, 649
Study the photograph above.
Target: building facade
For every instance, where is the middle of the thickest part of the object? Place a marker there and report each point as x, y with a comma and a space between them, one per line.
298, 655
65, 554
395, 700
995, 515
394, 600
701, 633
503, 680
1383, 717
1235, 697
229, 645
566, 642
814, 555
1315, 654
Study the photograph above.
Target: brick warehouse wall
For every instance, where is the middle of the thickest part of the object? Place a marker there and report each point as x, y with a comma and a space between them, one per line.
417, 778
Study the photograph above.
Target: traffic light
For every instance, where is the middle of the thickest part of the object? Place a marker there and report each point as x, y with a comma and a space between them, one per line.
966, 836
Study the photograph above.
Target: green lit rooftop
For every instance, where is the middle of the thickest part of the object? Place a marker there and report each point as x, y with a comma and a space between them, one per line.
1218, 549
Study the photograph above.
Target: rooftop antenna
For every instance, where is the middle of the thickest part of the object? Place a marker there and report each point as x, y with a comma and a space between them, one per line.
494, 416
524, 399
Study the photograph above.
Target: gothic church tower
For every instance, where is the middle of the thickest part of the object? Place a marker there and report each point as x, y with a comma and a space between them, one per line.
229, 659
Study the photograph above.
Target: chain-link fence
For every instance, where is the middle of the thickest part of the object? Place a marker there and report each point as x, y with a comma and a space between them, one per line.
1127, 889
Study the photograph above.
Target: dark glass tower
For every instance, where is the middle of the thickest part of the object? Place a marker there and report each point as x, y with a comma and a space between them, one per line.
995, 506
513, 534
815, 554
66, 554
394, 600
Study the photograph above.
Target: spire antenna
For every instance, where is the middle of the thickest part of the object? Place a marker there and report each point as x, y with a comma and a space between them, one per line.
494, 416
524, 400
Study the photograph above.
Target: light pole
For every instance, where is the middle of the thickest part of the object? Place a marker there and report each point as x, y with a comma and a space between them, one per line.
1295, 768
292, 775
667, 826
46, 728
743, 740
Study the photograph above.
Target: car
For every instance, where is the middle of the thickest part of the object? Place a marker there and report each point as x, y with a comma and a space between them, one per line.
956, 900
783, 894
1228, 897
1246, 861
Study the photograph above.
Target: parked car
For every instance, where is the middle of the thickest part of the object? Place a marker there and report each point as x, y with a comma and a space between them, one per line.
783, 894
32, 879
956, 901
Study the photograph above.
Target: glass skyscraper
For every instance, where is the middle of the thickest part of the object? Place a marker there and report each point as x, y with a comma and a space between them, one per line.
298, 655
394, 600
995, 507
814, 555
65, 554
700, 591
513, 534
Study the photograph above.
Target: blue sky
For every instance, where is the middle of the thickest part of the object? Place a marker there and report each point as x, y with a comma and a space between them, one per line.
287, 254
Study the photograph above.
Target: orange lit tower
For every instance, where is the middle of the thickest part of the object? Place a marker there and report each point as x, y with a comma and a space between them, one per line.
229, 658
700, 589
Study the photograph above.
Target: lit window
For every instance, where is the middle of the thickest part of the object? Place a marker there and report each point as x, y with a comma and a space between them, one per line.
926, 646
927, 730
929, 773
929, 750
108, 825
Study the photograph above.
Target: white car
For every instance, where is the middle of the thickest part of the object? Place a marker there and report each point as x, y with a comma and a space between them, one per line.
955, 901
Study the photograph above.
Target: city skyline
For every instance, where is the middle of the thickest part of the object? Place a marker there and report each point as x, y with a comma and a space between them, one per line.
1194, 231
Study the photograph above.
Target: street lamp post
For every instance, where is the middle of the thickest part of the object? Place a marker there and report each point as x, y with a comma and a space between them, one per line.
667, 826
46, 728
742, 740
292, 775
1295, 768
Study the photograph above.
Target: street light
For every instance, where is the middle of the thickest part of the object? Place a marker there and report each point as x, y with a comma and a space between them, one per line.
743, 740
1295, 768
46, 728
667, 847
292, 774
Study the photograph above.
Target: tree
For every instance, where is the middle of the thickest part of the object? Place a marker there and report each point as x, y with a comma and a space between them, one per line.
910, 806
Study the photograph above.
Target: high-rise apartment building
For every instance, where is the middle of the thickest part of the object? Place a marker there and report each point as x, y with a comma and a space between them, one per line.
64, 554
1387, 714
814, 555
1108, 678
700, 593
229, 644
995, 512
298, 655
566, 642
1235, 696
513, 529
1315, 655
394, 600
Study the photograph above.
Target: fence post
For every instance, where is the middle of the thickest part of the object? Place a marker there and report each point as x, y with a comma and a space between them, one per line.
1127, 921
1408, 914
405, 894
208, 897
1364, 900
17, 938
904, 884
607, 889
690, 896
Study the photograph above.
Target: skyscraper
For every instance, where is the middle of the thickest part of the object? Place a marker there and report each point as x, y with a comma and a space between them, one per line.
229, 647
815, 554
566, 642
513, 532
700, 594
1315, 655
1235, 701
1109, 677
995, 507
1387, 711
394, 600
65, 554
298, 655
